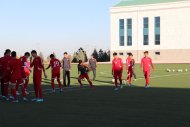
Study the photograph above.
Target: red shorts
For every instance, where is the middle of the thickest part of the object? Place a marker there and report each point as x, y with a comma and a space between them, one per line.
18, 81
117, 74
56, 75
146, 74
84, 76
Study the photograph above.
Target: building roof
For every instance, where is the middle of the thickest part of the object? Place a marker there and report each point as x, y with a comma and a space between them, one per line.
143, 2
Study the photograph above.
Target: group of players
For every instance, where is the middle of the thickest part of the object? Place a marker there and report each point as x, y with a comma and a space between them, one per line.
118, 66
14, 73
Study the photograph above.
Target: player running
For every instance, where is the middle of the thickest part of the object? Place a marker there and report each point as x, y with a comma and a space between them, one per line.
15, 66
129, 68
6, 73
83, 71
25, 70
117, 70
37, 63
55, 65
145, 65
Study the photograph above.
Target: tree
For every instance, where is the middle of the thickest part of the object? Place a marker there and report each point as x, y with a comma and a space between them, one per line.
80, 55
100, 55
75, 59
95, 54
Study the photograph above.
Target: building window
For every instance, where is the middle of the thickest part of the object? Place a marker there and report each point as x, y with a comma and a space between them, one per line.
121, 54
121, 32
157, 30
157, 53
145, 40
146, 31
129, 32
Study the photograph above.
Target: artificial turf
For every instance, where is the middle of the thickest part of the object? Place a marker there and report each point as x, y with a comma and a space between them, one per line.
166, 104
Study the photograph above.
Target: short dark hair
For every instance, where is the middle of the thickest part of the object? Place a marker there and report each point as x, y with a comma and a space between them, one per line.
7, 51
26, 54
52, 56
33, 51
65, 53
146, 52
114, 54
80, 61
129, 54
13, 54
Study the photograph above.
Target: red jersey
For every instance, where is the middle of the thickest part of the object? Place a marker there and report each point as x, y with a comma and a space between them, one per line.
5, 62
146, 63
129, 63
1, 67
37, 64
55, 65
117, 64
15, 66
23, 59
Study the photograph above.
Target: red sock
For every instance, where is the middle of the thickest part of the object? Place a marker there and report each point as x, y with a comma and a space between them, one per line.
26, 84
59, 83
6, 90
17, 85
52, 84
116, 85
40, 91
23, 91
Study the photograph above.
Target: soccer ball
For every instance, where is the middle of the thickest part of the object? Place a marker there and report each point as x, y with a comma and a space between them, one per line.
168, 70
124, 82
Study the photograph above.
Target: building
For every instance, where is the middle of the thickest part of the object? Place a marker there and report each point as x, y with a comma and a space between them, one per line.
160, 26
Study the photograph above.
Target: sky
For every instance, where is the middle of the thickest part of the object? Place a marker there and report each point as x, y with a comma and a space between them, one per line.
55, 25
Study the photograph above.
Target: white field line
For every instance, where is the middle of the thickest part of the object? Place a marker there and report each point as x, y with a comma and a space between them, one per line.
153, 77
75, 88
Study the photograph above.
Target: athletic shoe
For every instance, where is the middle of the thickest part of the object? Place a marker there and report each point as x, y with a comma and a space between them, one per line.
116, 89
11, 98
15, 101
4, 98
27, 93
53, 91
7, 99
25, 99
17, 93
61, 90
40, 100
35, 99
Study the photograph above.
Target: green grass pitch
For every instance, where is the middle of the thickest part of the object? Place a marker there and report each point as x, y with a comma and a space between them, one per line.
165, 104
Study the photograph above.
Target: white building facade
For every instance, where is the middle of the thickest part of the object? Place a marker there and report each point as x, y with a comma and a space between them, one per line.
161, 27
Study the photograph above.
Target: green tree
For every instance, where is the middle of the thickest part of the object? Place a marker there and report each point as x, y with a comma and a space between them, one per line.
95, 54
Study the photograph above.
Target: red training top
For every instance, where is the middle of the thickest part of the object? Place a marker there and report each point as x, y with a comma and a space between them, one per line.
146, 63
117, 64
55, 65
15, 66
